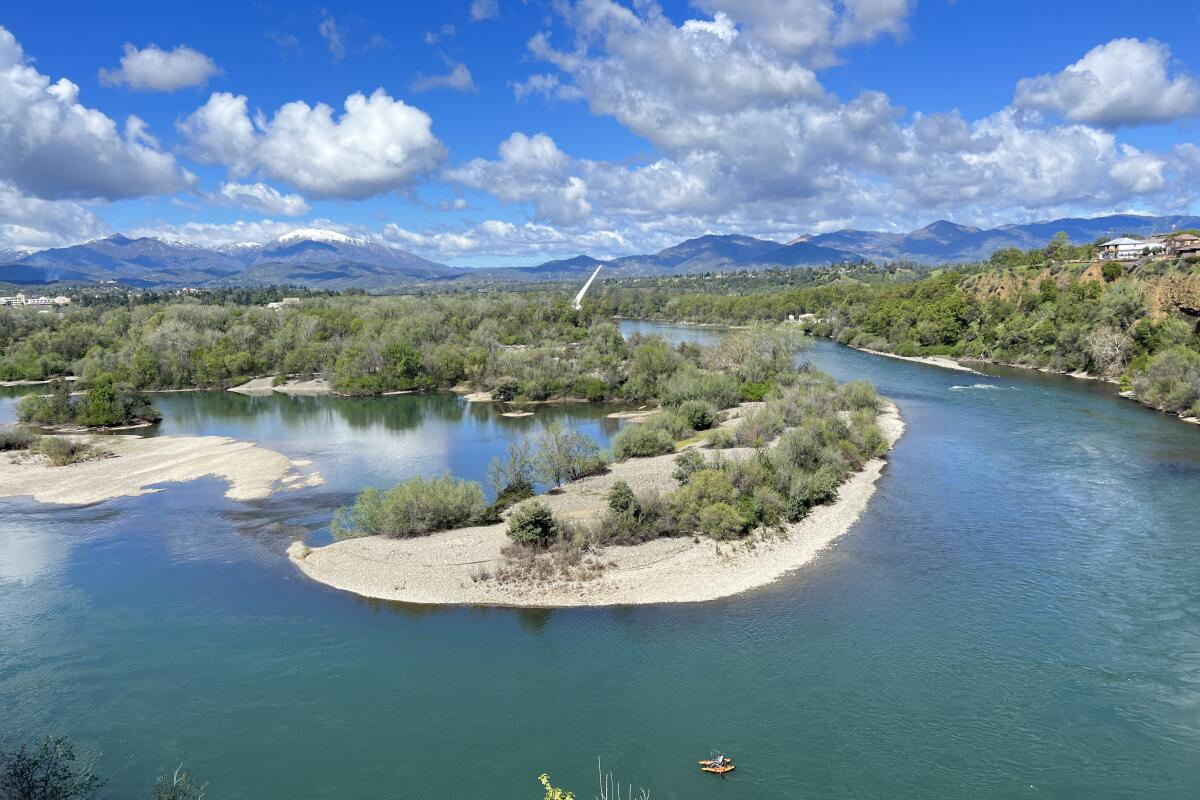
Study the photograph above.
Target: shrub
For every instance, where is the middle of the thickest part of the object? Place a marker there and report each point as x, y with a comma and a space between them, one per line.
1171, 381
415, 507
532, 523
721, 521
706, 487
621, 498
857, 395
698, 414
687, 464
721, 439
62, 451
642, 439
591, 388
812, 489
759, 427
18, 438
753, 391
505, 389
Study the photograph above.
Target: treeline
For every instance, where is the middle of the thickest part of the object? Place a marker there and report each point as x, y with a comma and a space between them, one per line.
105, 404
1066, 318
524, 346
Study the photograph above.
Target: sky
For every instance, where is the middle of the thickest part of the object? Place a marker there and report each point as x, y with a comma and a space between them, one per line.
503, 132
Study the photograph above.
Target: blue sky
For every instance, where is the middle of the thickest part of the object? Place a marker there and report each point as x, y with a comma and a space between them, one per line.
509, 132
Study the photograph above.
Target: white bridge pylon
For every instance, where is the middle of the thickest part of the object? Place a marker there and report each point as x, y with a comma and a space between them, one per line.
578, 302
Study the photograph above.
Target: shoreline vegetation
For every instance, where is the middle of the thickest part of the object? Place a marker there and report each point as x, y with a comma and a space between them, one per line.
747, 467
461, 566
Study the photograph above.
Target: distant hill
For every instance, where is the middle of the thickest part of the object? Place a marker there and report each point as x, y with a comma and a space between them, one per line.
327, 259
310, 257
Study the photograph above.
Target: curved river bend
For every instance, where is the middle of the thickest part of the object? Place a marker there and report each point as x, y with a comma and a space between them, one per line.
1016, 615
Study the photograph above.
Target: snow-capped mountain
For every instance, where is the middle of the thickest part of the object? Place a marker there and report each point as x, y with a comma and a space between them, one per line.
308, 256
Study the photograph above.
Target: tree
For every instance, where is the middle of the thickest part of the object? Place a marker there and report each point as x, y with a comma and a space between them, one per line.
47, 772
564, 455
516, 471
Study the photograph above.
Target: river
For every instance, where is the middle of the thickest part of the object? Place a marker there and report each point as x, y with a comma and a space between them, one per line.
1016, 615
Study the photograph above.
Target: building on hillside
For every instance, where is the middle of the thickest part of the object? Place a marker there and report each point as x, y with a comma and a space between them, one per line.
1125, 249
1183, 244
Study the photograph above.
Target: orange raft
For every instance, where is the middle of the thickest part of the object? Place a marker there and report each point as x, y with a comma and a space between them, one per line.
706, 766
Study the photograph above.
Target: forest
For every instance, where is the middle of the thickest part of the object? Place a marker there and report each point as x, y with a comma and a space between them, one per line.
1113, 321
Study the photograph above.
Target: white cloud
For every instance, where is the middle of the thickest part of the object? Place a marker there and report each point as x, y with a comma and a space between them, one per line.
53, 147
458, 78
750, 141
153, 70
814, 30
334, 36
484, 9
240, 231
377, 145
495, 238
29, 223
1123, 82
261, 197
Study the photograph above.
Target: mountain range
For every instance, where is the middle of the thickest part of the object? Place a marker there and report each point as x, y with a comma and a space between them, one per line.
327, 259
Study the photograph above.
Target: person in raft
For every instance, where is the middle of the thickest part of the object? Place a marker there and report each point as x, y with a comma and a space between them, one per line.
719, 761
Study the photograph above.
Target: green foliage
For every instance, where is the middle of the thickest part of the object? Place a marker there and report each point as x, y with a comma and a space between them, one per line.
688, 463
532, 523
105, 404
642, 439
1111, 271
565, 455
62, 451
1171, 381
17, 438
415, 507
46, 772
811, 489
721, 439
698, 414
720, 521
621, 498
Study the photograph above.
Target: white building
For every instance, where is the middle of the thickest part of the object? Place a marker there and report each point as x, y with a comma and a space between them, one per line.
1125, 249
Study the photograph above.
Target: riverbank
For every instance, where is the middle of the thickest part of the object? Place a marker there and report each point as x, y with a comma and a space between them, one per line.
136, 464
456, 567
267, 385
934, 361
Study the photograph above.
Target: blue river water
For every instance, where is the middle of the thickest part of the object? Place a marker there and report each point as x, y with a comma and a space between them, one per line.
1017, 614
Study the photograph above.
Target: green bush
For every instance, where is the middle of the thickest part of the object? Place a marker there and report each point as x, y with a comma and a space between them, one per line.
721, 521
532, 523
857, 395
621, 498
589, 387
505, 389
811, 489
641, 440
1171, 381
415, 507
17, 438
721, 439
698, 414
62, 451
753, 391
688, 463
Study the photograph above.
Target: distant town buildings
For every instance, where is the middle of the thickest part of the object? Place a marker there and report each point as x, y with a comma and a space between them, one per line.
287, 301
1171, 245
42, 301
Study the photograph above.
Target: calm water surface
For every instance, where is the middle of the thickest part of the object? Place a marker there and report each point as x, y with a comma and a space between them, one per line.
1016, 615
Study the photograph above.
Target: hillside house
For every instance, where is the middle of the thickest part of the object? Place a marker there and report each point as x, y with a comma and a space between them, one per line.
1125, 249
1183, 244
